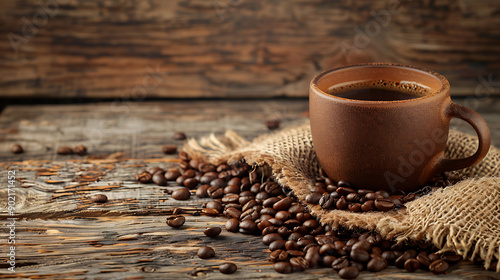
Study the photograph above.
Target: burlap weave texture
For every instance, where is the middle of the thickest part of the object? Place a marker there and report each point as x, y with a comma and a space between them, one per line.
464, 218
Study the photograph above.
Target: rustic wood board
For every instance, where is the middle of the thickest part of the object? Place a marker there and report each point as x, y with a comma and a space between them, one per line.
62, 234
234, 48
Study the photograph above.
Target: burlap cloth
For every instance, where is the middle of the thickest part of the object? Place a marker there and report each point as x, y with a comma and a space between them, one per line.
464, 218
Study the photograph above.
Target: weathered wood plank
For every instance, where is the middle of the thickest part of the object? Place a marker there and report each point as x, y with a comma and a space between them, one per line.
233, 48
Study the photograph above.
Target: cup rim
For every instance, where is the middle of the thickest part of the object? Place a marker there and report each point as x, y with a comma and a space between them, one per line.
444, 82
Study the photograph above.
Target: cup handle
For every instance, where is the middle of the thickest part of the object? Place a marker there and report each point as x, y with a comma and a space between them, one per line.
483, 132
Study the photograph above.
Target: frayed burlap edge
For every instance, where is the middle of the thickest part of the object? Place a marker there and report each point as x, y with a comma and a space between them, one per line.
405, 224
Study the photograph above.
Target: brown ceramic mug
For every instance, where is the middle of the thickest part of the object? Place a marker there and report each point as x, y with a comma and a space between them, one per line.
393, 144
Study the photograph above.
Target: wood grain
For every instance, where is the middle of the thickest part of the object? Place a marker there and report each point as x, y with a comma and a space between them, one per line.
131, 49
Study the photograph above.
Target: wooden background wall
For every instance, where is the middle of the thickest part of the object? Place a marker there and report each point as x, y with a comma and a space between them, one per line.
133, 49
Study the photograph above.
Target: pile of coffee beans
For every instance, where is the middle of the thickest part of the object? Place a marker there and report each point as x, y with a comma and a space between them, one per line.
255, 204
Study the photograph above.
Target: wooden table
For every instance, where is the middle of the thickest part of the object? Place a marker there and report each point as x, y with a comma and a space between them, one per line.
60, 233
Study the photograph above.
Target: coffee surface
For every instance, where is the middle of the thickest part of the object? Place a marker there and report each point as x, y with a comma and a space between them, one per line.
376, 94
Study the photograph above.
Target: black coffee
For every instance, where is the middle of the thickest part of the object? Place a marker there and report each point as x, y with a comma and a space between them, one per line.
376, 94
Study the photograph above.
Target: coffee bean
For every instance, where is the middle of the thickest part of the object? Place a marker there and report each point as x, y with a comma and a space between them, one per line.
376, 264
296, 208
215, 192
324, 239
341, 203
383, 205
423, 259
340, 263
291, 245
177, 211
144, 177
228, 268
277, 245
215, 205
269, 238
159, 179
360, 255
357, 265
206, 252
210, 212
362, 245
451, 258
354, 207
181, 194
326, 201
99, 198
232, 212
373, 196
344, 191
79, 150
411, 265
282, 267
180, 180
313, 256
201, 191
179, 136
434, 257
269, 230
190, 183
248, 225
212, 231
282, 204
368, 205
176, 221
343, 184
64, 150
311, 224
313, 198
348, 272
439, 267
273, 124
299, 263
400, 262
278, 255
17, 149
232, 225
232, 189
155, 169
328, 260
169, 149
352, 197
172, 174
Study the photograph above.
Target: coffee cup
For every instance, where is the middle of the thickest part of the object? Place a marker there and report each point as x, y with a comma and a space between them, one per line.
385, 126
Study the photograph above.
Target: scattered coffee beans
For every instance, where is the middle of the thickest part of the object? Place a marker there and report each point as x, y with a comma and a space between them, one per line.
206, 252
228, 268
176, 221
17, 149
